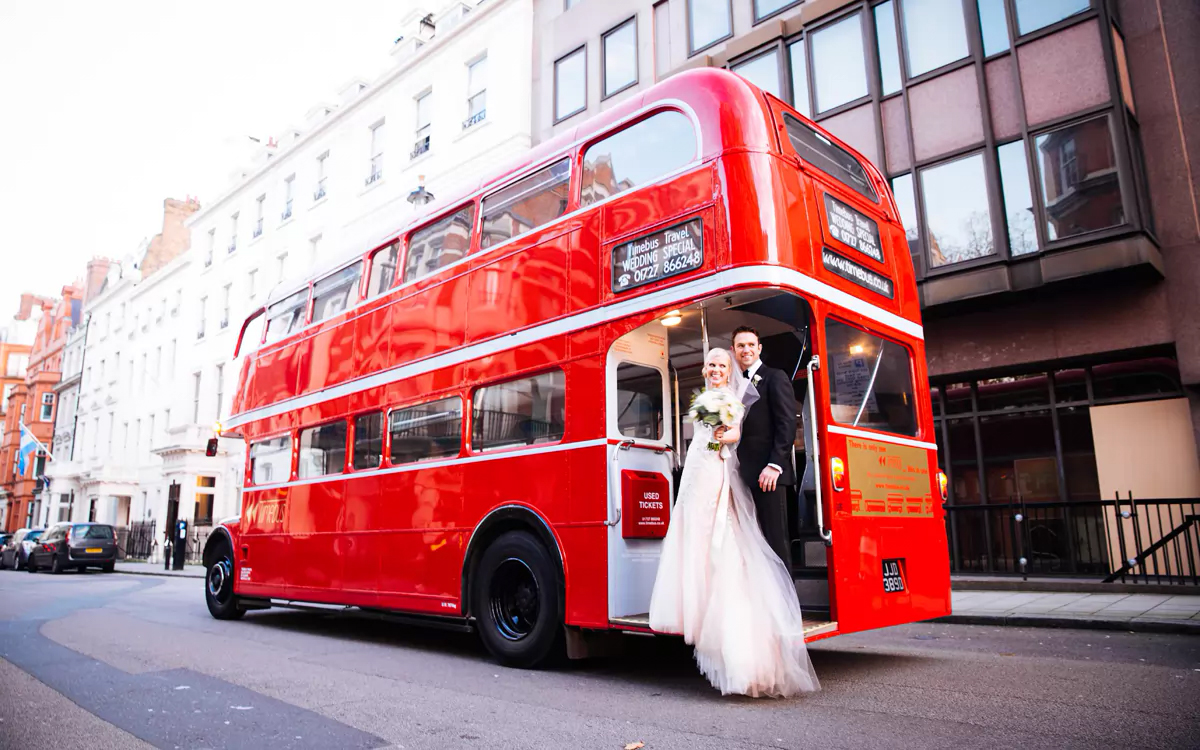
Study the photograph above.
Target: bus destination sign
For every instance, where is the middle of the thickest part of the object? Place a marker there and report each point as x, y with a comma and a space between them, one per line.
853, 228
667, 252
851, 271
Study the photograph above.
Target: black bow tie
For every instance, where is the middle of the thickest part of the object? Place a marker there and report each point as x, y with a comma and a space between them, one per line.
746, 374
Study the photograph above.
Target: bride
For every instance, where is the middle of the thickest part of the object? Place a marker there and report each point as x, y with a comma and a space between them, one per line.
719, 583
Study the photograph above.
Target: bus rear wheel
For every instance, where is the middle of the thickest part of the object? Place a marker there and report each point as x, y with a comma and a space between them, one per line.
218, 585
517, 601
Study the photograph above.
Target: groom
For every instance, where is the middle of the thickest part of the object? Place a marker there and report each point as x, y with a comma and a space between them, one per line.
768, 429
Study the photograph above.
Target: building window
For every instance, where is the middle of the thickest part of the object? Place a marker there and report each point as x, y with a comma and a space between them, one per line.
288, 184
570, 84
233, 232
260, 206
526, 204
637, 155
425, 431
314, 246
368, 441
1077, 167
196, 398
282, 261
220, 391
1038, 14
383, 269
956, 211
439, 244
839, 63
801, 98
889, 50
323, 450
1018, 200
618, 48
424, 111
377, 134
208, 251
226, 293
252, 284
521, 412
935, 34
206, 488
15, 367
662, 38
271, 460
763, 71
766, 8
476, 92
47, 411
336, 292
568, 4
993, 22
709, 22
906, 202
322, 162
200, 322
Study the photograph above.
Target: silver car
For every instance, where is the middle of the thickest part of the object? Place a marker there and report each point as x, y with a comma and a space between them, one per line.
15, 554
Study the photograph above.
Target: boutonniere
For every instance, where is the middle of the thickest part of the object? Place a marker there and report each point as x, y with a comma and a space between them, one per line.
756, 380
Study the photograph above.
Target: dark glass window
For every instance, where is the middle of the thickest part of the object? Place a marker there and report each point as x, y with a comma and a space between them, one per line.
997, 394
570, 84
1019, 457
709, 21
839, 63
368, 440
286, 316
425, 431
439, 244
271, 460
800, 95
526, 204
1018, 201
323, 450
1138, 378
336, 292
828, 157
1036, 14
958, 398
763, 71
870, 380
764, 8
993, 22
1070, 385
637, 155
956, 211
935, 33
889, 50
1080, 186
383, 269
619, 49
99, 531
639, 401
520, 412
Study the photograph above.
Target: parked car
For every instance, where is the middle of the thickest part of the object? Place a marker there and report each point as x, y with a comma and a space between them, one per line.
15, 552
75, 545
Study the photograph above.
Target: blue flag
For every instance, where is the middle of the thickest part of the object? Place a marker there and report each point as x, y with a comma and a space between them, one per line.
28, 445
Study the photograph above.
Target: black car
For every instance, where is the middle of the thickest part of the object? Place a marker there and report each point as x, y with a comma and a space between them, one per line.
16, 551
75, 545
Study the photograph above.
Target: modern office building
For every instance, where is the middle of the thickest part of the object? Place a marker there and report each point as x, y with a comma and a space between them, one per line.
1043, 156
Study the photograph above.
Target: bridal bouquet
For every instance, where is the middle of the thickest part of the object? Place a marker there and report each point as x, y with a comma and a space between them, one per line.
716, 408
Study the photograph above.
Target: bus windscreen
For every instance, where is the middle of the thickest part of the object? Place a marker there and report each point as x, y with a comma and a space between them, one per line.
828, 157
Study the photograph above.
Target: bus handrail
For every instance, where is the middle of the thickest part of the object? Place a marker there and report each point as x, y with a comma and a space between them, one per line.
813, 365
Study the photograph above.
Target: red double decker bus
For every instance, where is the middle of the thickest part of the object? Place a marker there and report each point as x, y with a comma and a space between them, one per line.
477, 419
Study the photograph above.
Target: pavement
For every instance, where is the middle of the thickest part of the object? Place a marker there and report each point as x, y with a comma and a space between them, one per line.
1160, 613
156, 569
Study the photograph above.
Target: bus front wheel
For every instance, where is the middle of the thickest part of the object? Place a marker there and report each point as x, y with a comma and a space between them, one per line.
218, 585
517, 601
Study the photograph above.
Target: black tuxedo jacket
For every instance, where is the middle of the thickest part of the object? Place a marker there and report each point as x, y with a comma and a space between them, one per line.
769, 428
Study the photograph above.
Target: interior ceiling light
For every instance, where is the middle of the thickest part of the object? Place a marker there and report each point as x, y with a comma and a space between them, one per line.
672, 318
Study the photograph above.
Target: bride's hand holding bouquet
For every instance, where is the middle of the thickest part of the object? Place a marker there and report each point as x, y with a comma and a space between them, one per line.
721, 410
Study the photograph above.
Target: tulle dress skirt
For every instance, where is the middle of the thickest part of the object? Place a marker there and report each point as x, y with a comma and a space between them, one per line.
722, 587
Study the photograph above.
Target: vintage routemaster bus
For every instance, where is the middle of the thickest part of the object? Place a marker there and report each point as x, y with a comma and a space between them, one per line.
478, 418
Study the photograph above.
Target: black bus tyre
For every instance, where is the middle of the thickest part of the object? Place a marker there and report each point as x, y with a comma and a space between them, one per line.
218, 585
516, 598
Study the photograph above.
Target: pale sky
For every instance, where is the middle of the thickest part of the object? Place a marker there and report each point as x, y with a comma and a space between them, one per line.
107, 108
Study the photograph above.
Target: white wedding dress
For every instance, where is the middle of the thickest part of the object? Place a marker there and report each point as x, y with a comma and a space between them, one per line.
722, 588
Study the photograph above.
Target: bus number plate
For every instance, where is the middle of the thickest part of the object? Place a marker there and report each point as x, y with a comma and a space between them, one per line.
667, 252
893, 576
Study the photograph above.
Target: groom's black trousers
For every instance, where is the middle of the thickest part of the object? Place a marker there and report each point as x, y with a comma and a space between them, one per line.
771, 509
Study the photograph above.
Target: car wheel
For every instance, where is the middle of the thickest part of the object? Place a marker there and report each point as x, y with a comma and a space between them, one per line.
517, 601
30, 565
218, 585
56, 566
109, 567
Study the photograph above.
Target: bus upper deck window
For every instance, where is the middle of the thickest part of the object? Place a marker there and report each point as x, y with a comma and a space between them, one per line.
637, 155
829, 157
870, 380
526, 204
336, 292
383, 269
439, 244
286, 316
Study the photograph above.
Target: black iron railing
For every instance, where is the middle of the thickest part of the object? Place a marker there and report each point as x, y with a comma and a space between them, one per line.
1127, 540
140, 540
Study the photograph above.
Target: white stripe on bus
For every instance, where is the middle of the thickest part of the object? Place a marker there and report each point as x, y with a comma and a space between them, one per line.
422, 465
774, 275
881, 437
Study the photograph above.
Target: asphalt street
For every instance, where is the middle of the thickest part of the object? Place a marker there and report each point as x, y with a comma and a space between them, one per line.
114, 661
